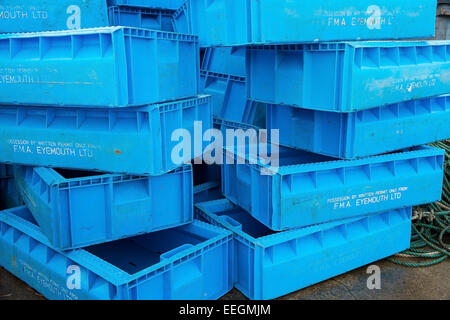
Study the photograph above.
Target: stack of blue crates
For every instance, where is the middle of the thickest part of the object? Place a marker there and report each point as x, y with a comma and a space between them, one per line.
96, 205
353, 115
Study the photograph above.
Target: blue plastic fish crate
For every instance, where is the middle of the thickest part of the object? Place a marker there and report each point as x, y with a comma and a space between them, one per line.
46, 15
238, 22
131, 140
268, 265
156, 19
229, 96
78, 208
306, 188
9, 197
103, 67
362, 133
207, 192
348, 76
166, 4
191, 262
225, 60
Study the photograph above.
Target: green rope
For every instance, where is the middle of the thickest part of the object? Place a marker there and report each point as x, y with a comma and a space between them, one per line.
428, 244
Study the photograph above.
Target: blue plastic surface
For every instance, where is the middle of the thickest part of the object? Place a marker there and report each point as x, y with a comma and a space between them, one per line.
239, 22
268, 265
225, 60
229, 96
363, 133
79, 209
48, 15
166, 4
9, 197
156, 19
5, 171
191, 262
348, 76
103, 67
132, 140
308, 188
207, 192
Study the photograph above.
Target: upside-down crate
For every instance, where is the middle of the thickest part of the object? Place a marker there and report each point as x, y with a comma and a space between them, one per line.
229, 96
157, 19
9, 197
103, 67
184, 263
305, 188
348, 76
240, 22
207, 192
48, 15
225, 60
268, 265
165, 4
363, 133
130, 140
78, 208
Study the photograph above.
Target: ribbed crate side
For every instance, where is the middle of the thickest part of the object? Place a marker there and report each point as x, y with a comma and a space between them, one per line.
242, 269
363, 75
387, 185
404, 125
364, 133
63, 137
248, 188
39, 197
155, 19
49, 271
171, 58
43, 268
245, 257
225, 60
328, 253
40, 63
182, 19
108, 61
45, 15
398, 74
323, 20
85, 211
229, 95
326, 190
242, 22
167, 4
201, 275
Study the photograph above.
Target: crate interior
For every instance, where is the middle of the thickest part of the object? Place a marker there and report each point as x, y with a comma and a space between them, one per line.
74, 174
138, 253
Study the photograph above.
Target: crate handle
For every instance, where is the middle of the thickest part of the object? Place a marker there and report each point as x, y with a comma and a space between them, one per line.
232, 222
169, 254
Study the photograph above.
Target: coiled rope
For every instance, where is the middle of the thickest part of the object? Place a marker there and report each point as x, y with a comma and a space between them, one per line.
431, 227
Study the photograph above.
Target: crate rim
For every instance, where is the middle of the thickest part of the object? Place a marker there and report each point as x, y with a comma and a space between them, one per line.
102, 30
61, 182
418, 151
